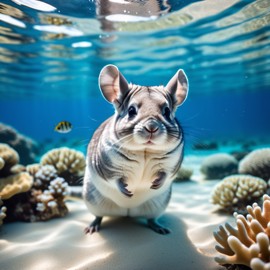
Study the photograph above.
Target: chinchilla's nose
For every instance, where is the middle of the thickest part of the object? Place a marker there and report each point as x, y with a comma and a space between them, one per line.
151, 126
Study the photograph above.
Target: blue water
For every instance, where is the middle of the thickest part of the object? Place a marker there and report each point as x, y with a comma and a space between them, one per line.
51, 55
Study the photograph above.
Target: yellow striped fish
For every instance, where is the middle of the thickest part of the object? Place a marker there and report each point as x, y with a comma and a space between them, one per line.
63, 127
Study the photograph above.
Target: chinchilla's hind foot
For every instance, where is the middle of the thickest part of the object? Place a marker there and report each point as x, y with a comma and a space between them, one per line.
152, 223
94, 226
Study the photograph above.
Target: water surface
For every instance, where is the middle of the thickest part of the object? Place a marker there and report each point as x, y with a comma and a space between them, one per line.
51, 53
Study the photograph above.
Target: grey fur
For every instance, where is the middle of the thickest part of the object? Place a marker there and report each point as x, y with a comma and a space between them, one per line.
134, 155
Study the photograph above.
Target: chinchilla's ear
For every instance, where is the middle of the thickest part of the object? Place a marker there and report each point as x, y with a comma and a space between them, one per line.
113, 85
178, 87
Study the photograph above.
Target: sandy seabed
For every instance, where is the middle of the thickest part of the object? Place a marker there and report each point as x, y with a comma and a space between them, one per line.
122, 243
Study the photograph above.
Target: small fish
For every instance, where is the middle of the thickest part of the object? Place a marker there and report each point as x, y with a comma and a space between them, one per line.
63, 127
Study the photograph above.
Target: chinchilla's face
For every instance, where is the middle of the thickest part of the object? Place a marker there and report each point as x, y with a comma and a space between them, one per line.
145, 119
145, 116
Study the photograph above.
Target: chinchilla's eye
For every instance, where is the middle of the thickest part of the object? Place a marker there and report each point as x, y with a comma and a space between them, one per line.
131, 111
167, 113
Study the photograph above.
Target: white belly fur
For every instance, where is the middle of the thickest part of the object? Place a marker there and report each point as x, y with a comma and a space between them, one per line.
145, 202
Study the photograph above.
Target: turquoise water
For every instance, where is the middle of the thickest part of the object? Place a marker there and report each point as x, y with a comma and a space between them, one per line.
51, 54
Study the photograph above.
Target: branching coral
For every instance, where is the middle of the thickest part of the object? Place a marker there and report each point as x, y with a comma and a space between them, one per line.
256, 163
44, 176
39, 205
50, 203
69, 163
58, 188
248, 244
15, 184
48, 206
218, 166
236, 191
9, 158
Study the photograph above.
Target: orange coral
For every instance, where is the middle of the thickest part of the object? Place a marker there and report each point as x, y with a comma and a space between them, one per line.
14, 184
248, 244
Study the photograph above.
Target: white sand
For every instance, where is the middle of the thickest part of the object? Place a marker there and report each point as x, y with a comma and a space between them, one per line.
122, 243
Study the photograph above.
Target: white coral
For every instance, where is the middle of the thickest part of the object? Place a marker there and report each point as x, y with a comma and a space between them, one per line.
248, 244
238, 189
3, 210
41, 207
58, 187
44, 175
44, 200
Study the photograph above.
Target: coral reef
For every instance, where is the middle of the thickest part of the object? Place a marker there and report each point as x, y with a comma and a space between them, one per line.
44, 176
3, 210
234, 192
50, 203
69, 163
9, 158
15, 184
248, 244
183, 173
18, 168
33, 168
256, 163
26, 148
40, 204
58, 188
217, 166
48, 207
36, 192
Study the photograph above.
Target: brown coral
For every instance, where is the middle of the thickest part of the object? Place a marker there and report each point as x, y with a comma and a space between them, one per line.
248, 244
9, 158
37, 205
69, 163
256, 163
15, 184
47, 206
217, 166
236, 191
